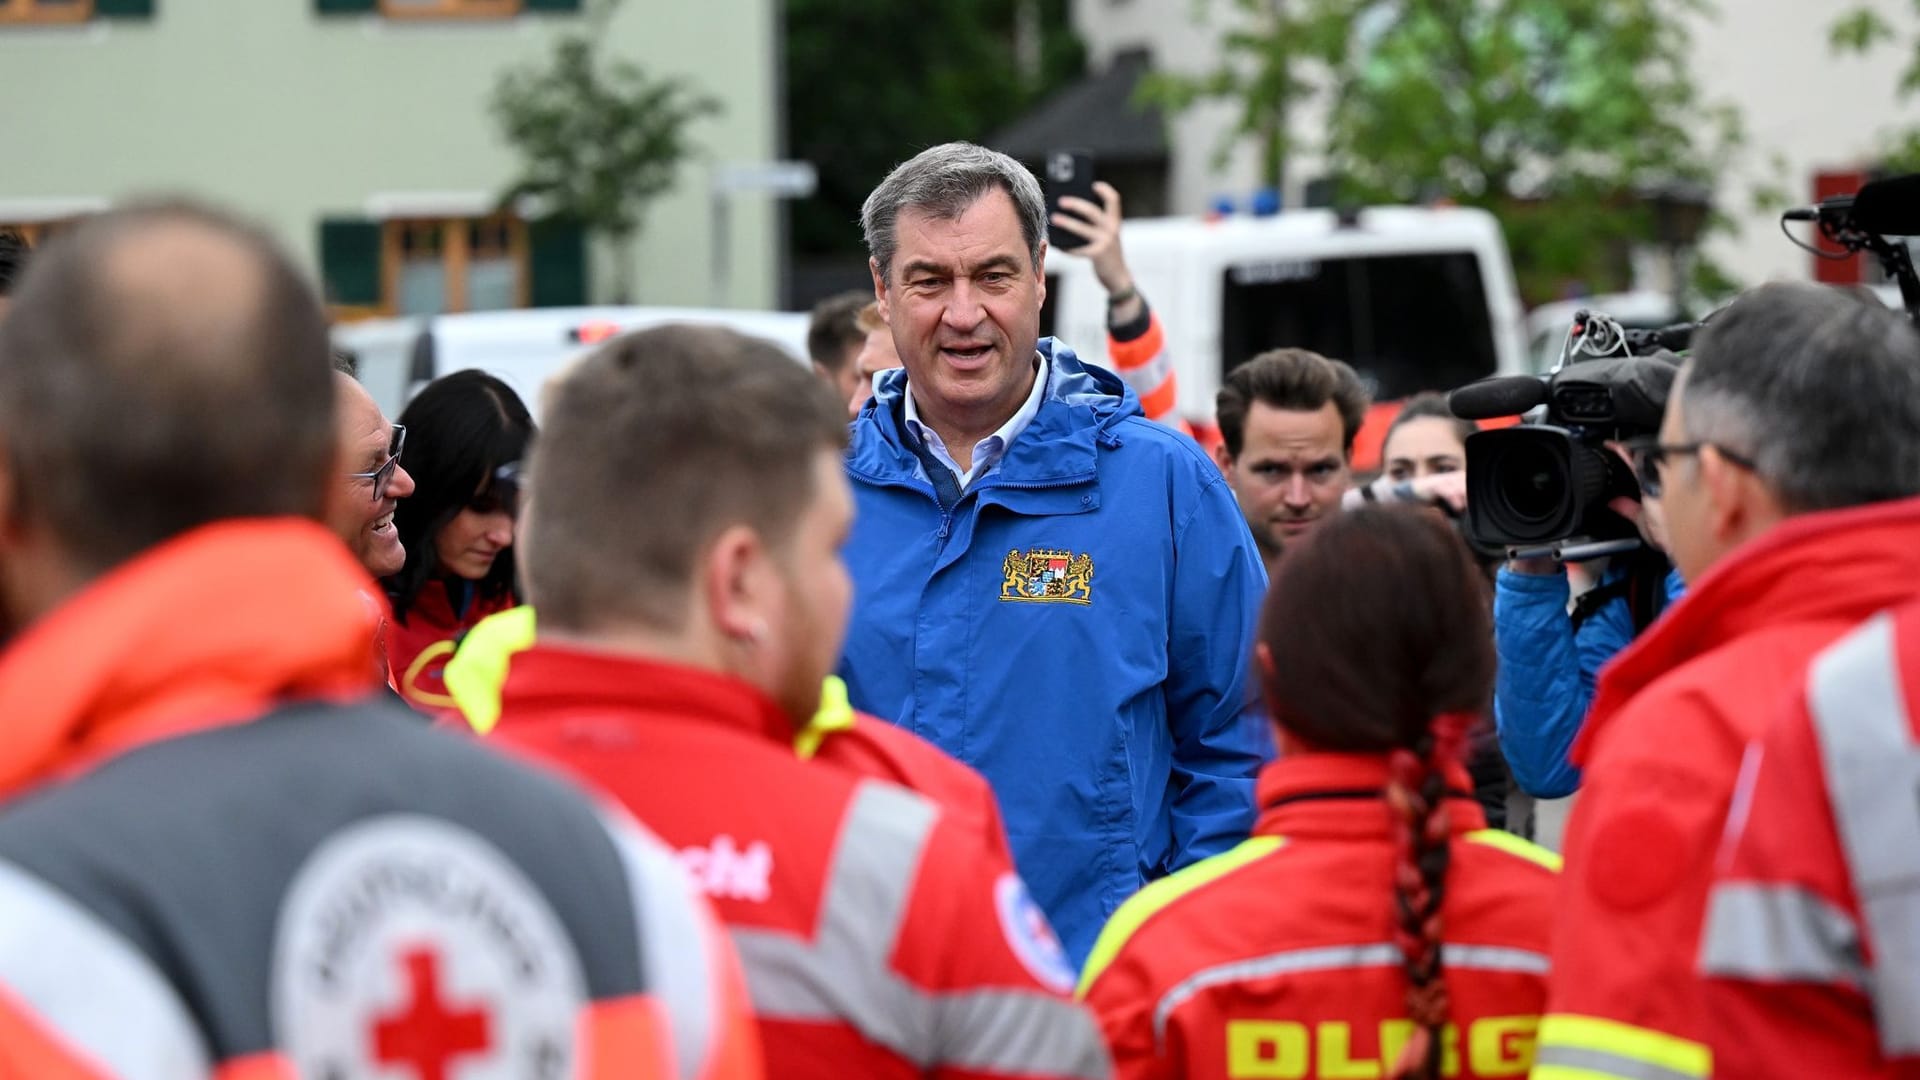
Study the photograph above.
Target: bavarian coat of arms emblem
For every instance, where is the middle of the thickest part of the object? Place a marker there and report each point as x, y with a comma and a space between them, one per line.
1044, 575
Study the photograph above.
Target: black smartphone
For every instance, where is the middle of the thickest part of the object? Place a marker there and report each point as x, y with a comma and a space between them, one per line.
1069, 172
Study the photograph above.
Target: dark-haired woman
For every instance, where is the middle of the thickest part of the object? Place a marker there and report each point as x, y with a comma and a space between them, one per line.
457, 526
1372, 926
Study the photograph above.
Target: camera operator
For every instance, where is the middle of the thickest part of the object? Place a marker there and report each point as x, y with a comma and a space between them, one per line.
1787, 465
1551, 651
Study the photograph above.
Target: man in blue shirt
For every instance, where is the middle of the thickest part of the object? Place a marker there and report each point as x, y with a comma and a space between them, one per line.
1049, 586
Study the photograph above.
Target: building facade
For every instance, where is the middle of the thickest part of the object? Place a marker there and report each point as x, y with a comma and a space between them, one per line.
359, 132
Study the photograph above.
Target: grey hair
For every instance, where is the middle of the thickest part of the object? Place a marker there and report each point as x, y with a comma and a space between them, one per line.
942, 182
1820, 388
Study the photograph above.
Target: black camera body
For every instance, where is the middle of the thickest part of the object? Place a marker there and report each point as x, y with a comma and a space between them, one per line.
1545, 483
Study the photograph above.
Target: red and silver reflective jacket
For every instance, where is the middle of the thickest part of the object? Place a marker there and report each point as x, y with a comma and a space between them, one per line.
1812, 940
880, 937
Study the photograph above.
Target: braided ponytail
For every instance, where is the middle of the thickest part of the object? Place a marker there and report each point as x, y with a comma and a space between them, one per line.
1416, 793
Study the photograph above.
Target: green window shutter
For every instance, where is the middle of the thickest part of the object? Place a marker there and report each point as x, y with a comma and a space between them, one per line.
346, 7
557, 263
550, 5
123, 9
350, 261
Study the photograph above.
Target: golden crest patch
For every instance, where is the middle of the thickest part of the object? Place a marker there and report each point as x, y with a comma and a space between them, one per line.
1047, 576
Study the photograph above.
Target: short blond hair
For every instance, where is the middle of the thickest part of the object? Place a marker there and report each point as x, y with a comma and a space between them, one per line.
869, 318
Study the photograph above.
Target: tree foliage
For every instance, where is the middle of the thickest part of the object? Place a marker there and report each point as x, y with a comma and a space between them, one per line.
1560, 116
870, 84
598, 138
1862, 30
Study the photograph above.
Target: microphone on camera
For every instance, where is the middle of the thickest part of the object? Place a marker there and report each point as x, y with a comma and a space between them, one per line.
1500, 395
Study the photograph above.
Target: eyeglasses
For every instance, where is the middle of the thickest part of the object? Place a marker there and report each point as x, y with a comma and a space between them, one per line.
1650, 456
383, 475
503, 494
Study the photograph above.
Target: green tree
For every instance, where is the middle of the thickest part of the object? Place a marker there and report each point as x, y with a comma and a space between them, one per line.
1862, 30
1560, 116
871, 84
599, 140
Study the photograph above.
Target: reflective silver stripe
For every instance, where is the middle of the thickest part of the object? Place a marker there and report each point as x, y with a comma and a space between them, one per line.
1778, 933
845, 975
1599, 1063
1145, 377
1872, 773
1339, 957
91, 988
677, 942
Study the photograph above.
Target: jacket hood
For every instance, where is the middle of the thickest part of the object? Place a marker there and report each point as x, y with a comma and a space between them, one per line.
1083, 407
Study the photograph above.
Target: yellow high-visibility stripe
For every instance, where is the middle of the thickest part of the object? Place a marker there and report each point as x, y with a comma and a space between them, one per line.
479, 667
1632, 1046
1514, 845
834, 714
1157, 895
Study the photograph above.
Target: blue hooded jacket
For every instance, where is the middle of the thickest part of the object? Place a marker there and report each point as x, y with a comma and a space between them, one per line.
1077, 625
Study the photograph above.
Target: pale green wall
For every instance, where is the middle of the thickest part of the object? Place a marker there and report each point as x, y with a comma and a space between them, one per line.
263, 106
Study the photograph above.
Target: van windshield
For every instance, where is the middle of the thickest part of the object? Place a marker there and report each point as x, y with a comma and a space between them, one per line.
1406, 323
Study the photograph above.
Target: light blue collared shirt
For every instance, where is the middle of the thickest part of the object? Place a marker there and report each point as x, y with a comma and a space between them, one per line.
988, 451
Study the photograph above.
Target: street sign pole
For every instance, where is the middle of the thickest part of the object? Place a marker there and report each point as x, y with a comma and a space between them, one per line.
779, 179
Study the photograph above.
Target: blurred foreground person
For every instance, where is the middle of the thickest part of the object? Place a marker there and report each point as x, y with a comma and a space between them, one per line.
13, 262
688, 613
1811, 947
217, 857
1786, 467
456, 527
1373, 925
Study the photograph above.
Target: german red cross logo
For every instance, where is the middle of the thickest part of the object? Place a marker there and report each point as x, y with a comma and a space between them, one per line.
429, 1034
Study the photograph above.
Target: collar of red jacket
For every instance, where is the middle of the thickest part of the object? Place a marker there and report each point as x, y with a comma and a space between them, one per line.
1836, 564
1319, 794
566, 683
214, 626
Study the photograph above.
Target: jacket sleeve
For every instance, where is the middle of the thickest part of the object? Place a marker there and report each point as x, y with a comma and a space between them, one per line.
1781, 949
997, 979
1623, 999
1546, 675
1220, 740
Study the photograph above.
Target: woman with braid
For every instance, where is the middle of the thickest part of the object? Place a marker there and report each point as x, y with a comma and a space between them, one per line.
1372, 926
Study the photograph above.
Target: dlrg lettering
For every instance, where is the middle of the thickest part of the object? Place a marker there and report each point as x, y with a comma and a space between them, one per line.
1285, 1050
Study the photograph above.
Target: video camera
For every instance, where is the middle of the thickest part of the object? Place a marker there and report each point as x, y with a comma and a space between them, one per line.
1542, 488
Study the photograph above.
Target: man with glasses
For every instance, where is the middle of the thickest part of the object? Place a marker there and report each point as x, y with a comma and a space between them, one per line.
1786, 468
360, 510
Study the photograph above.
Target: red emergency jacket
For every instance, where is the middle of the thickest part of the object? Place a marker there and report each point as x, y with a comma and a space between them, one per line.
419, 646
1661, 748
1812, 940
1277, 959
880, 937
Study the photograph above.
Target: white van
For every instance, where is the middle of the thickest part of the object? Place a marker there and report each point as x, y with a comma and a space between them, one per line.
523, 347
1414, 298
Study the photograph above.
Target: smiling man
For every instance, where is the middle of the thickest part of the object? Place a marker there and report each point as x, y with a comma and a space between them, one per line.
1048, 585
1287, 422
360, 509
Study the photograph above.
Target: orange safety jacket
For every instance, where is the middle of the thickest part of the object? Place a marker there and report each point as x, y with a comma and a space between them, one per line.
1278, 958
880, 937
1139, 355
1811, 946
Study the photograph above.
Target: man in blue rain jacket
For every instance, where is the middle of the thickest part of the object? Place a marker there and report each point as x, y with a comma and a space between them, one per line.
1052, 588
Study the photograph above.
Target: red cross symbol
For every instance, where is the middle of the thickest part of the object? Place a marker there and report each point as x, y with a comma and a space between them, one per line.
426, 1035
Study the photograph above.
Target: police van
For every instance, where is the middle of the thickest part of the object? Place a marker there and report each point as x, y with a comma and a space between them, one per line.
1414, 298
396, 357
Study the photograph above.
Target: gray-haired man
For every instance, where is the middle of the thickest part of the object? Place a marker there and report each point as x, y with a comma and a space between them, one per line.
1049, 586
